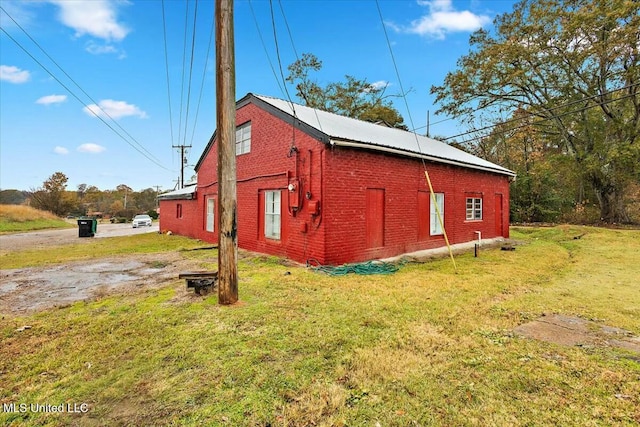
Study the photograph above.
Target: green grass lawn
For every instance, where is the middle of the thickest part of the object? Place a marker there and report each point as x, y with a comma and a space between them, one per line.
424, 346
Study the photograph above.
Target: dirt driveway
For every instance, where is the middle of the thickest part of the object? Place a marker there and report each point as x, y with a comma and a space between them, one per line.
25, 290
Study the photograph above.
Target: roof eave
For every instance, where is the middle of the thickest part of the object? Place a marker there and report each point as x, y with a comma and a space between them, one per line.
189, 196
396, 151
250, 98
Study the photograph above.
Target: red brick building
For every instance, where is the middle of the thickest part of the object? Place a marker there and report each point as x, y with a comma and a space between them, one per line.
312, 185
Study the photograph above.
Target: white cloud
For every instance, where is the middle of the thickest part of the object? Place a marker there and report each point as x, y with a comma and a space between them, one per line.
97, 18
91, 148
101, 49
52, 99
443, 19
60, 150
13, 74
380, 84
114, 109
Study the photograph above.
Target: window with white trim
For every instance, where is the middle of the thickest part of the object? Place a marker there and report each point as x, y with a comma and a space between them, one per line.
211, 212
435, 227
272, 215
474, 208
243, 139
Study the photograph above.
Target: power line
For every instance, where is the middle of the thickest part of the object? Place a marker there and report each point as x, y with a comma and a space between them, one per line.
264, 47
548, 110
275, 38
76, 84
286, 23
204, 73
284, 17
184, 58
433, 123
395, 66
82, 102
424, 163
166, 62
193, 46
544, 119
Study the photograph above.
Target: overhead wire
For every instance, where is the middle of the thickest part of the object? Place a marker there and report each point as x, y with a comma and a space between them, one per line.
424, 163
193, 46
264, 47
148, 156
561, 106
541, 120
293, 46
166, 62
286, 23
433, 123
134, 140
284, 83
184, 58
275, 38
204, 73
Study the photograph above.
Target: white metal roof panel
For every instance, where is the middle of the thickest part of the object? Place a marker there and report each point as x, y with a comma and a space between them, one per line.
185, 193
340, 128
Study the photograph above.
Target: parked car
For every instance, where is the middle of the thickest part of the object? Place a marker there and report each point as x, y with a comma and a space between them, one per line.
141, 220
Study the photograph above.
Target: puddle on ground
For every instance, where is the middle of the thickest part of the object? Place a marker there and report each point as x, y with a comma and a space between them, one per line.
30, 289
574, 331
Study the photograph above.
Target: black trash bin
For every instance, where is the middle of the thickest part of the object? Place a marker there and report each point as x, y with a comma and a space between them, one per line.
87, 227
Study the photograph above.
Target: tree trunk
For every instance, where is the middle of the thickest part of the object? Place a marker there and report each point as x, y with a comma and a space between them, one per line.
612, 206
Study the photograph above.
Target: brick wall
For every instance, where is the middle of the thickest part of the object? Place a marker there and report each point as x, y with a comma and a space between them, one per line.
170, 221
270, 165
352, 171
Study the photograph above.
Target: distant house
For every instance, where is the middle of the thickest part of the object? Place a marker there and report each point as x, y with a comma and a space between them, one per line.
313, 185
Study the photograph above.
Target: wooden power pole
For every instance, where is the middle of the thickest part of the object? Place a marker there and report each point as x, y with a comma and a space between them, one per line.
226, 124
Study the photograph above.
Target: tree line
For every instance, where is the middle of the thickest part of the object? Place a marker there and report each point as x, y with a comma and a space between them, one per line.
53, 196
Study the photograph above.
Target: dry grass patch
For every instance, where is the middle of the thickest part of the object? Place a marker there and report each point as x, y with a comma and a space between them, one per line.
16, 218
22, 213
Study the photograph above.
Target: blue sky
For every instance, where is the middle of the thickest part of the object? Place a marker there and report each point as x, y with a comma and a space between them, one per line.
112, 53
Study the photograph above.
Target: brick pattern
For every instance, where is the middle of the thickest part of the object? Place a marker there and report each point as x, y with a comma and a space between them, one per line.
334, 181
353, 171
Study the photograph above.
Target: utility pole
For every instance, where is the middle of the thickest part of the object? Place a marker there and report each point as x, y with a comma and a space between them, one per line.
157, 194
183, 161
226, 125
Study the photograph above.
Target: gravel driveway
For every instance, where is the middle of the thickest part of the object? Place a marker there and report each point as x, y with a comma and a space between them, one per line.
35, 239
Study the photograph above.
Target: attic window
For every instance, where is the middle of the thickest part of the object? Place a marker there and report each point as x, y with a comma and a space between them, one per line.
243, 139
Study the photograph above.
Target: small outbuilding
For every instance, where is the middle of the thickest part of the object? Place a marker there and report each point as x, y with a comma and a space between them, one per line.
316, 186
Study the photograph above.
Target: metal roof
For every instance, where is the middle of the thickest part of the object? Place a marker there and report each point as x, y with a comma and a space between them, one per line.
345, 131
185, 193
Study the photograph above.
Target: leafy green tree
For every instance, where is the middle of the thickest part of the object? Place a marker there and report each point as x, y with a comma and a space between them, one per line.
144, 200
573, 66
353, 97
52, 196
545, 186
125, 190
